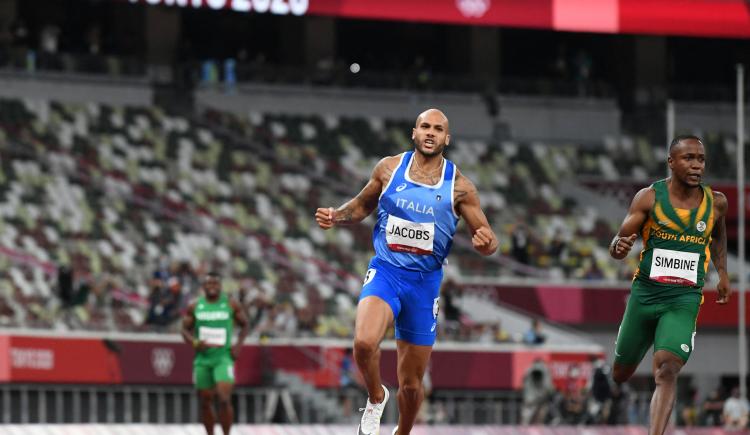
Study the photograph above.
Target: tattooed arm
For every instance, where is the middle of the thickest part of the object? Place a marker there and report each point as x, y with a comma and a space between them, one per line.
466, 202
719, 247
364, 203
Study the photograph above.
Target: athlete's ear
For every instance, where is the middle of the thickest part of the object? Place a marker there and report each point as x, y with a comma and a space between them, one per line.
447, 140
670, 162
413, 133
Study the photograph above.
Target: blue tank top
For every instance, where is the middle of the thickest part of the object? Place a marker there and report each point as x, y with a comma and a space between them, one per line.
416, 222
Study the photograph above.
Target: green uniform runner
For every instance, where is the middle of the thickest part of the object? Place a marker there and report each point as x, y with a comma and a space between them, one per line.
213, 325
667, 287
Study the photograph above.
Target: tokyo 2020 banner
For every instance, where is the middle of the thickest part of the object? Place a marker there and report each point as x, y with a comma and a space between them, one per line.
710, 18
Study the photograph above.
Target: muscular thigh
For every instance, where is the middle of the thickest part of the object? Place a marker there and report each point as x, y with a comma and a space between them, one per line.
417, 322
203, 377
636, 333
223, 371
412, 362
676, 329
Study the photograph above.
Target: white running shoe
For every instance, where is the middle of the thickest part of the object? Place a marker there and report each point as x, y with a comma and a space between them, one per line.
370, 423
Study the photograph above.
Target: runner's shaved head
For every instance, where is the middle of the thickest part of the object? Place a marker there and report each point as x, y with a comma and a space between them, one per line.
433, 111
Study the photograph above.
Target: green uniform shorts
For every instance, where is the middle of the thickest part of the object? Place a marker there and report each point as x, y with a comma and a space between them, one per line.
207, 374
668, 324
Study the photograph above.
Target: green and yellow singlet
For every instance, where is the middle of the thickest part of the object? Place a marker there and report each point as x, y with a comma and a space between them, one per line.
675, 255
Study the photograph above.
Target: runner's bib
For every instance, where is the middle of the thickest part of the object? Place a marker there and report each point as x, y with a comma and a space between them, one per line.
406, 236
213, 336
674, 267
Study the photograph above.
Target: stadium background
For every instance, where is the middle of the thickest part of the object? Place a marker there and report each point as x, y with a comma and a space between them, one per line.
145, 142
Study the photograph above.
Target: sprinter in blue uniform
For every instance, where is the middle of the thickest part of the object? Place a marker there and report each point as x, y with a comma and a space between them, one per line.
419, 196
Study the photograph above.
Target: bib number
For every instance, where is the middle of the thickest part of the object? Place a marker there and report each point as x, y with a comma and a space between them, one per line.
674, 267
410, 237
213, 336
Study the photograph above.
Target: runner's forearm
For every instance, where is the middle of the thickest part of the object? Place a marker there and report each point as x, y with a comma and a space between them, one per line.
351, 213
187, 336
719, 253
244, 331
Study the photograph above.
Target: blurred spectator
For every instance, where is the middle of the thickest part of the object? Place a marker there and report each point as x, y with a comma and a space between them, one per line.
688, 415
450, 312
485, 334
735, 411
592, 270
712, 409
560, 64
520, 243
173, 302
557, 249
583, 63
600, 405
94, 40
256, 303
500, 335
449, 293
20, 33
347, 370
424, 413
619, 413
164, 301
573, 403
156, 290
81, 295
7, 313
306, 322
49, 40
538, 392
65, 285
281, 322
534, 335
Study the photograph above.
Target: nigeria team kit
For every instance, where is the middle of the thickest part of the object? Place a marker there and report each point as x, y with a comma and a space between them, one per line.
214, 322
666, 293
412, 237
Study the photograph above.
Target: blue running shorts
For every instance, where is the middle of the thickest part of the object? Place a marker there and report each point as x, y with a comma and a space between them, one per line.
413, 297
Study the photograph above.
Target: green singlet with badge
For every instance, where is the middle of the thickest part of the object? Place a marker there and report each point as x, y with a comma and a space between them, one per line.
213, 325
667, 287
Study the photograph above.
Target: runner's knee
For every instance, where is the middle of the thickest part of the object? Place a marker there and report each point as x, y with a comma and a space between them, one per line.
621, 374
206, 400
364, 348
411, 388
667, 372
224, 401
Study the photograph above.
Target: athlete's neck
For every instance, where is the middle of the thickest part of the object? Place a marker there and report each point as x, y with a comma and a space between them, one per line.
683, 191
213, 299
428, 163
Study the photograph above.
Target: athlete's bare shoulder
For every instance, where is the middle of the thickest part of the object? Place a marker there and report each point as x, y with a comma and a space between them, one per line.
721, 204
385, 168
234, 303
461, 178
190, 310
644, 200
463, 187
